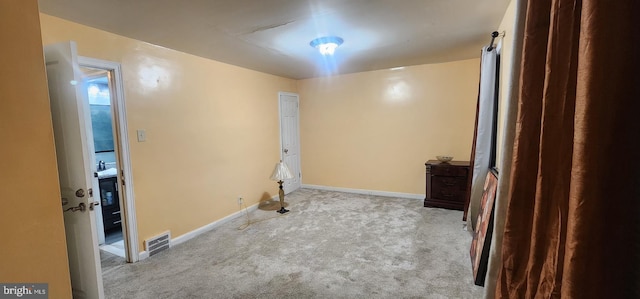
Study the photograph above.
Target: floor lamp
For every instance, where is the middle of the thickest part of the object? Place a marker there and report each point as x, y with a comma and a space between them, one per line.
281, 173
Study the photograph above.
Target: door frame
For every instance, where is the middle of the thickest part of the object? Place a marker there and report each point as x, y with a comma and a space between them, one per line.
129, 223
280, 94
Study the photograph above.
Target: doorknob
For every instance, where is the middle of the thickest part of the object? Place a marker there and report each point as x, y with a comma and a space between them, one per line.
81, 207
286, 150
93, 204
80, 193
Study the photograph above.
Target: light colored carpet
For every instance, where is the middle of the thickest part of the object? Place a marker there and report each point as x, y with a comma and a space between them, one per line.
109, 261
331, 245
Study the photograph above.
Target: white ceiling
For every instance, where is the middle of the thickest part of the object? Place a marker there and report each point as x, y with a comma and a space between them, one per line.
273, 36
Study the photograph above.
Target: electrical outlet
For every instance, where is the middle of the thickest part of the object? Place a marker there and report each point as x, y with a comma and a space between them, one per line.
239, 200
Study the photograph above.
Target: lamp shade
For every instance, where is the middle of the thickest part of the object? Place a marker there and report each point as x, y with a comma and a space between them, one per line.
281, 172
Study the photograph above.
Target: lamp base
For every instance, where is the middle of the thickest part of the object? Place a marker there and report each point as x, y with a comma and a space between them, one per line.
281, 195
282, 210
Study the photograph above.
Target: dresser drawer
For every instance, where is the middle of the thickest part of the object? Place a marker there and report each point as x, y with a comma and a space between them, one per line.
448, 170
449, 182
451, 188
448, 194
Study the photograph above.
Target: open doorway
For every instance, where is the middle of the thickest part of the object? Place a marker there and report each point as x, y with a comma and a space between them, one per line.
115, 215
97, 88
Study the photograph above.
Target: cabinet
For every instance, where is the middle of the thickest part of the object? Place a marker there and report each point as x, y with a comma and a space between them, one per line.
110, 203
447, 184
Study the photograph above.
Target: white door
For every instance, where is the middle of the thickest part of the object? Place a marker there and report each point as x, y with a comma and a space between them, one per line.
290, 138
72, 131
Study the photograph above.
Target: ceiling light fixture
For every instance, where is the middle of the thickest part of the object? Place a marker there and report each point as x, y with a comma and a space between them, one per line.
326, 44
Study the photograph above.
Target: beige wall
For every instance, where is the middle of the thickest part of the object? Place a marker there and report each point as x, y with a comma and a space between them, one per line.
212, 128
32, 245
375, 130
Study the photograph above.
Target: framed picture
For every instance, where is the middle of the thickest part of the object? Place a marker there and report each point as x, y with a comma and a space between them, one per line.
484, 227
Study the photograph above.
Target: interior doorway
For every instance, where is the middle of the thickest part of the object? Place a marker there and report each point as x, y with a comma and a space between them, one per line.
115, 216
97, 88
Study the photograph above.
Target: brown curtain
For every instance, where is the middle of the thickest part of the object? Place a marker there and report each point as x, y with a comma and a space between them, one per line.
571, 228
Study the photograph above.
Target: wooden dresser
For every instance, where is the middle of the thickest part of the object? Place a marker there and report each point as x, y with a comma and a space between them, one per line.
446, 184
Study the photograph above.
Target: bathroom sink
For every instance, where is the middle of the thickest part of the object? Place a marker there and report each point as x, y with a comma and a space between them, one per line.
109, 173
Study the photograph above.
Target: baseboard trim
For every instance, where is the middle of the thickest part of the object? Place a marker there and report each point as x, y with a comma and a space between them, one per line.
201, 230
366, 192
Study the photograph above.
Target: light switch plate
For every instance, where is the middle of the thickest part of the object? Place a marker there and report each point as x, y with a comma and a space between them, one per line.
142, 135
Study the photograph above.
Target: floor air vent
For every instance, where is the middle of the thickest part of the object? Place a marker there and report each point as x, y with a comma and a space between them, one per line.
158, 243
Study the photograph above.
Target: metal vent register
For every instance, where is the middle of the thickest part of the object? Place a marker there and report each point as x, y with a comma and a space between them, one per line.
158, 243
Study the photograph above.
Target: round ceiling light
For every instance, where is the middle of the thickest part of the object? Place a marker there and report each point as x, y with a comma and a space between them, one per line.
326, 44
